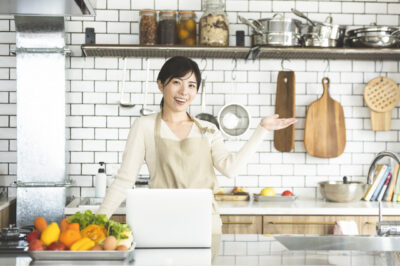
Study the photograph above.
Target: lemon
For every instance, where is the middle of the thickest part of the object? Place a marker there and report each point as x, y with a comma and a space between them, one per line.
268, 191
190, 25
183, 34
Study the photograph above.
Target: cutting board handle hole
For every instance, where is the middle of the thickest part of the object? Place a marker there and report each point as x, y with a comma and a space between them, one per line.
285, 80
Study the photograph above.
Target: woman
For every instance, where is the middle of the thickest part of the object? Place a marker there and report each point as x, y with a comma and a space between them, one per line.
181, 151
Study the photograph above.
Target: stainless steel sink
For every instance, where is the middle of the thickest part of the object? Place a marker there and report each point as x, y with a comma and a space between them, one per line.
336, 242
90, 202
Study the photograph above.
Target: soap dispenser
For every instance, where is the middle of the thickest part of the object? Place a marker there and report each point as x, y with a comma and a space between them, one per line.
100, 182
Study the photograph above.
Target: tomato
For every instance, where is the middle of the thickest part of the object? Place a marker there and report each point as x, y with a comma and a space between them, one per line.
56, 246
287, 193
33, 235
36, 244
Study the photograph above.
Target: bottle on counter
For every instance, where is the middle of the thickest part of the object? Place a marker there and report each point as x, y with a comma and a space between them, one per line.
167, 27
101, 182
186, 28
214, 24
148, 27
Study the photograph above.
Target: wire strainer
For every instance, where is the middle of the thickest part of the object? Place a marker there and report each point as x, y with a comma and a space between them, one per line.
234, 119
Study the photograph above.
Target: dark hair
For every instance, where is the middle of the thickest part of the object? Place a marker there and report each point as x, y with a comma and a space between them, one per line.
177, 67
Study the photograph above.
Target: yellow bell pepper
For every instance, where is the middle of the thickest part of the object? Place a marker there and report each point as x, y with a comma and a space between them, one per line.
50, 234
83, 244
94, 232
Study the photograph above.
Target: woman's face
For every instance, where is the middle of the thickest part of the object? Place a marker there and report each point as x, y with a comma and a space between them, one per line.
179, 92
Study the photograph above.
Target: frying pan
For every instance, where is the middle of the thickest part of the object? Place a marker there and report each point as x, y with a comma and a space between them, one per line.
203, 115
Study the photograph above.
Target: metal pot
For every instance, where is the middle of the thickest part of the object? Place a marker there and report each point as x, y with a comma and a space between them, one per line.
372, 29
323, 34
276, 39
325, 30
275, 31
375, 37
315, 41
342, 191
278, 24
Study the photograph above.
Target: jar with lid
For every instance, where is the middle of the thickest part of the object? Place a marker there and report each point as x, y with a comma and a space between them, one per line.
186, 29
214, 24
148, 27
167, 27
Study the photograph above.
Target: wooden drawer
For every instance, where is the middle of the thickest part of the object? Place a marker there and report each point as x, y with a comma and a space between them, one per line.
237, 224
321, 225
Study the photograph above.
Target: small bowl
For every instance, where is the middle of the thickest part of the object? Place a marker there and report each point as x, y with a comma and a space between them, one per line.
342, 192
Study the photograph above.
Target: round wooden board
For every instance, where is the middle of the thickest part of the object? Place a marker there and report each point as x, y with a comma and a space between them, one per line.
381, 94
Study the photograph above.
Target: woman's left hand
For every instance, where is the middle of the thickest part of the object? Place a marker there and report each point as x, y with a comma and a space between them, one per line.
273, 122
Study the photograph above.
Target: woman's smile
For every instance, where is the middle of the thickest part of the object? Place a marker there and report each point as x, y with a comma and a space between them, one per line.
180, 101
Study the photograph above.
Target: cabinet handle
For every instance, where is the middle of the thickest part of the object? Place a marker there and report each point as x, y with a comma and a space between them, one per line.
237, 222
304, 223
370, 223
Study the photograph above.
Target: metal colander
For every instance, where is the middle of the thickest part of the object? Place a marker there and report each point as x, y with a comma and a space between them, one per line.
234, 120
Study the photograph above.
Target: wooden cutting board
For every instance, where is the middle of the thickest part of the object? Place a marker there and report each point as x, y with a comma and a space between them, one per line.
325, 129
231, 197
285, 107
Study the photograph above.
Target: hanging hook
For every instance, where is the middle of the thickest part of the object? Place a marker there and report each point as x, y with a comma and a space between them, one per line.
205, 66
381, 69
283, 67
122, 101
233, 74
327, 67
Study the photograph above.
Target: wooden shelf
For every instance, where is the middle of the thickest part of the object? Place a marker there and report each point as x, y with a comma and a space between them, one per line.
104, 50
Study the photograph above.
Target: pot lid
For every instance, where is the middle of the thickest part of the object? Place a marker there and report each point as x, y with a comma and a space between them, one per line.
388, 29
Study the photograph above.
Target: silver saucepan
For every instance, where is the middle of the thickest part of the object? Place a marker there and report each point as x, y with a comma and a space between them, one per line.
321, 34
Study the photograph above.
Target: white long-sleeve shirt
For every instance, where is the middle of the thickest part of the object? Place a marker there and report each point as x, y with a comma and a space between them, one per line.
140, 146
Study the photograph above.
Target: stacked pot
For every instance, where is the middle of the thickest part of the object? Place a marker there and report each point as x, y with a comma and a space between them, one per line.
275, 31
374, 36
321, 34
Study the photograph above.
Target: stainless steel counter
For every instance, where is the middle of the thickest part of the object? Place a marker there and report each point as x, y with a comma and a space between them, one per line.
237, 250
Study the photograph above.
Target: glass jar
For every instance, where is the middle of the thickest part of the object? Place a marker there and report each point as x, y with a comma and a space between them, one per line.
148, 27
186, 29
167, 27
214, 24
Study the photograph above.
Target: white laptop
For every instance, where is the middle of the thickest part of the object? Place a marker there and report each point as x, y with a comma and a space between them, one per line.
170, 218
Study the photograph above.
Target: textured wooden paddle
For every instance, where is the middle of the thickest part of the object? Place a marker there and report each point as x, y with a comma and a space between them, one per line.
325, 130
285, 107
381, 95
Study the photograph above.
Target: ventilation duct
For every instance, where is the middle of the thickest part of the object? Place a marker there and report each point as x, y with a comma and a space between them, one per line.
46, 7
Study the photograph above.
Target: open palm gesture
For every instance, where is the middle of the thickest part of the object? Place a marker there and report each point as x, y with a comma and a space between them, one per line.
273, 122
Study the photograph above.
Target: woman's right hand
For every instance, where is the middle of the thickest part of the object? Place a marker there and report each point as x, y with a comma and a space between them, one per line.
273, 122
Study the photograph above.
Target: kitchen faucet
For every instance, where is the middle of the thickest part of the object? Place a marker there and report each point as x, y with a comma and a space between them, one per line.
384, 228
379, 156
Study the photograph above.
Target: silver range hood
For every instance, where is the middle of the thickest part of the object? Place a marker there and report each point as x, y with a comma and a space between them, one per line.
42, 179
46, 7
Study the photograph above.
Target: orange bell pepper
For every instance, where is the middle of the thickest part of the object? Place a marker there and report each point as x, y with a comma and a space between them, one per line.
69, 237
74, 226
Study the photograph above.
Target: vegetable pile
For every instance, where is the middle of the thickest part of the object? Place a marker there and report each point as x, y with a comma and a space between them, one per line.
81, 231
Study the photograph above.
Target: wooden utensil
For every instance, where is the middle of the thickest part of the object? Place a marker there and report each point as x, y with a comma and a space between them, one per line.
285, 107
381, 95
325, 130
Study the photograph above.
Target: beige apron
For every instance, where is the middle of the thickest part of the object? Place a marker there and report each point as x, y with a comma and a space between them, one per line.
185, 164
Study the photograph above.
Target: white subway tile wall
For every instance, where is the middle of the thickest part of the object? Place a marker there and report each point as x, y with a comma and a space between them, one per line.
97, 127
